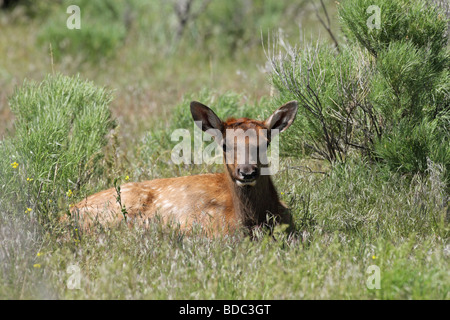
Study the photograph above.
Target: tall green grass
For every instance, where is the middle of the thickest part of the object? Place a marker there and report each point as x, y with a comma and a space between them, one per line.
347, 221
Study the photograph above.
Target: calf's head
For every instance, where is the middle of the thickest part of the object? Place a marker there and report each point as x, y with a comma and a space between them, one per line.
244, 141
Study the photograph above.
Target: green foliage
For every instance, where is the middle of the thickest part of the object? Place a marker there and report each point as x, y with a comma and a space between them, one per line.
207, 25
333, 116
385, 94
102, 32
408, 147
235, 25
60, 128
417, 21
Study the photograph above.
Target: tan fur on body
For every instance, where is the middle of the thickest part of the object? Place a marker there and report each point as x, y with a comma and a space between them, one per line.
219, 203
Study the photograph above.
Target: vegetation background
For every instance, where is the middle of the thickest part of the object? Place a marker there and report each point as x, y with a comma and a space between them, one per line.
365, 168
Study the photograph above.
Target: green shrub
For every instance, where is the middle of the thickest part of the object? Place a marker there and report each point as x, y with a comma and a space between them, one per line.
60, 128
417, 21
384, 95
333, 116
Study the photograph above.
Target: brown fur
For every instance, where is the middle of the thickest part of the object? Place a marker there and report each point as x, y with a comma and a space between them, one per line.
214, 201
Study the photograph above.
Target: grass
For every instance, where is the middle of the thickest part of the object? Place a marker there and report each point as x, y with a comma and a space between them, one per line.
346, 221
348, 217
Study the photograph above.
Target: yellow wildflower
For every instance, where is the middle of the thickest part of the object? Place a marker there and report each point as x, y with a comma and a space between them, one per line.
28, 210
30, 179
127, 178
39, 254
14, 165
374, 257
37, 265
69, 193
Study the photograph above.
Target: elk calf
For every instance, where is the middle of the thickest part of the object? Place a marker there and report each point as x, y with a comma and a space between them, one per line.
220, 203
